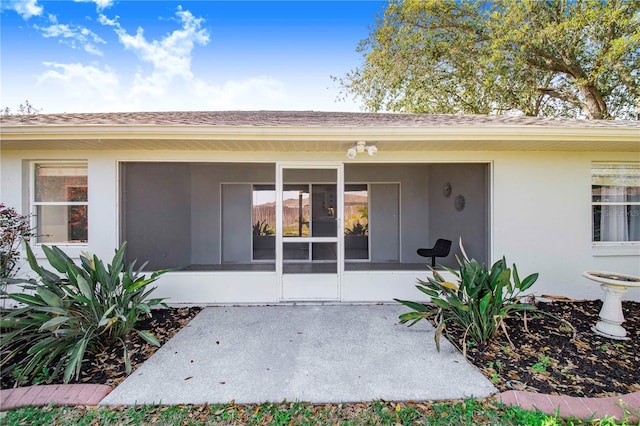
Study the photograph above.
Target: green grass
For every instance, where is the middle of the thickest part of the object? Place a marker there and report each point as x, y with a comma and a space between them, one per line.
467, 412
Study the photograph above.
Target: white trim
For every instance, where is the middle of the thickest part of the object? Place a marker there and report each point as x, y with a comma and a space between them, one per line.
72, 249
102, 134
491, 256
630, 248
319, 291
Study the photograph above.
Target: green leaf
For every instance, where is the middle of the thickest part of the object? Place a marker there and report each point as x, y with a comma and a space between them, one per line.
117, 265
413, 305
148, 337
54, 322
484, 302
33, 263
105, 317
27, 299
49, 277
412, 316
438, 334
75, 360
85, 289
528, 282
55, 260
440, 303
49, 297
428, 291
127, 359
51, 309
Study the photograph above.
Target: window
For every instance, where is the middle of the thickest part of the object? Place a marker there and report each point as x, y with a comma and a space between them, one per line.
356, 221
60, 202
264, 222
615, 195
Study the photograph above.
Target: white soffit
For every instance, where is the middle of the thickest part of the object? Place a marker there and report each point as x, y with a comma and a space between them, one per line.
279, 138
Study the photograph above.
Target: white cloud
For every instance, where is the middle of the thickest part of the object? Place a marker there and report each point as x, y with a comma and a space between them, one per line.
254, 93
106, 21
171, 84
72, 35
25, 8
162, 79
100, 4
78, 81
169, 57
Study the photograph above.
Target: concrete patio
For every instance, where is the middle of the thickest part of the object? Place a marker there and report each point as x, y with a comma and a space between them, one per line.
314, 353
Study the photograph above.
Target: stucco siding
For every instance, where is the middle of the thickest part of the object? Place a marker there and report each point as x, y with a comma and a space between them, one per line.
539, 209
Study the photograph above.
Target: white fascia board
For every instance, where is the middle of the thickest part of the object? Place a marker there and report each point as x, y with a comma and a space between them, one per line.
102, 133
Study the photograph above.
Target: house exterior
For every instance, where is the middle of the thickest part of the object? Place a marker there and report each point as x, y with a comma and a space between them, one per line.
273, 207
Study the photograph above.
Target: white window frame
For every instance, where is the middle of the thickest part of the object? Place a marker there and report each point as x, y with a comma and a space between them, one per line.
612, 248
33, 204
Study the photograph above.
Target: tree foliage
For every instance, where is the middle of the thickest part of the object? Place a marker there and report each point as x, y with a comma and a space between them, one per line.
567, 58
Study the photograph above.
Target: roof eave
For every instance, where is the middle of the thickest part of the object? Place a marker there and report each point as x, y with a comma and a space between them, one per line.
15, 137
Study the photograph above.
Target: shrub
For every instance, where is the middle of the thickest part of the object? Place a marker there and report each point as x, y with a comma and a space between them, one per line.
262, 229
88, 308
478, 303
358, 229
14, 229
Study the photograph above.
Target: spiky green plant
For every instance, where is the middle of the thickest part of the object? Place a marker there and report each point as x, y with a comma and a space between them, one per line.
358, 229
60, 318
478, 303
262, 229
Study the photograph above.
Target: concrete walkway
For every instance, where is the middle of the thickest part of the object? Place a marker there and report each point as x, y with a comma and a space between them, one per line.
330, 353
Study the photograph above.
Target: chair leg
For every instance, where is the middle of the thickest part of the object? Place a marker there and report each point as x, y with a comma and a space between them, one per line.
433, 261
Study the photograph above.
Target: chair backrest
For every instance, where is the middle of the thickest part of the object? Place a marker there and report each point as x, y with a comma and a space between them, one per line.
442, 247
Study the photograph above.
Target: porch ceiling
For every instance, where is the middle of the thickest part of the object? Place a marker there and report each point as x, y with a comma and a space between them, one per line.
265, 131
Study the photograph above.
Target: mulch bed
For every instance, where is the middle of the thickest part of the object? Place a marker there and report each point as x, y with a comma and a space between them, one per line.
548, 356
553, 358
108, 367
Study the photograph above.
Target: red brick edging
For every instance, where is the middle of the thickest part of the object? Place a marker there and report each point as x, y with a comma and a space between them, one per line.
570, 406
43, 395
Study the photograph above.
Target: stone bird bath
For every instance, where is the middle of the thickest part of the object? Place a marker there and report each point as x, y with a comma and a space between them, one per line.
615, 285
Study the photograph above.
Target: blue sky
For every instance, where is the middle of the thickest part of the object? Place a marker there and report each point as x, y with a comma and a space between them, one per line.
109, 55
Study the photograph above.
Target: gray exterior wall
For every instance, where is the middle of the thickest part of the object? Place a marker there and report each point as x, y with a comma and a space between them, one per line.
472, 223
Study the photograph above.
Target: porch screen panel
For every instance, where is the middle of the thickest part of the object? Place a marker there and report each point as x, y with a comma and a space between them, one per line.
384, 222
156, 213
236, 220
309, 220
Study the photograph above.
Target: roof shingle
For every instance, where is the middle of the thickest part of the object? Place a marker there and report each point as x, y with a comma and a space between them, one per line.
298, 119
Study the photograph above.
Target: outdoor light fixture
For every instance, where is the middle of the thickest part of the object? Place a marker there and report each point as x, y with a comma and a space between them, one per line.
360, 147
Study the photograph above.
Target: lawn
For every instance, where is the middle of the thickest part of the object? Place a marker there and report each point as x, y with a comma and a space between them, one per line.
466, 412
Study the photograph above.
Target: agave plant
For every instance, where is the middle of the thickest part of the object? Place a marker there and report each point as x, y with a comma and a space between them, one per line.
262, 229
478, 302
88, 308
357, 229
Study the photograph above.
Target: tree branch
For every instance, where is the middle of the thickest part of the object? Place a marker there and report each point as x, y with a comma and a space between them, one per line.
550, 91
